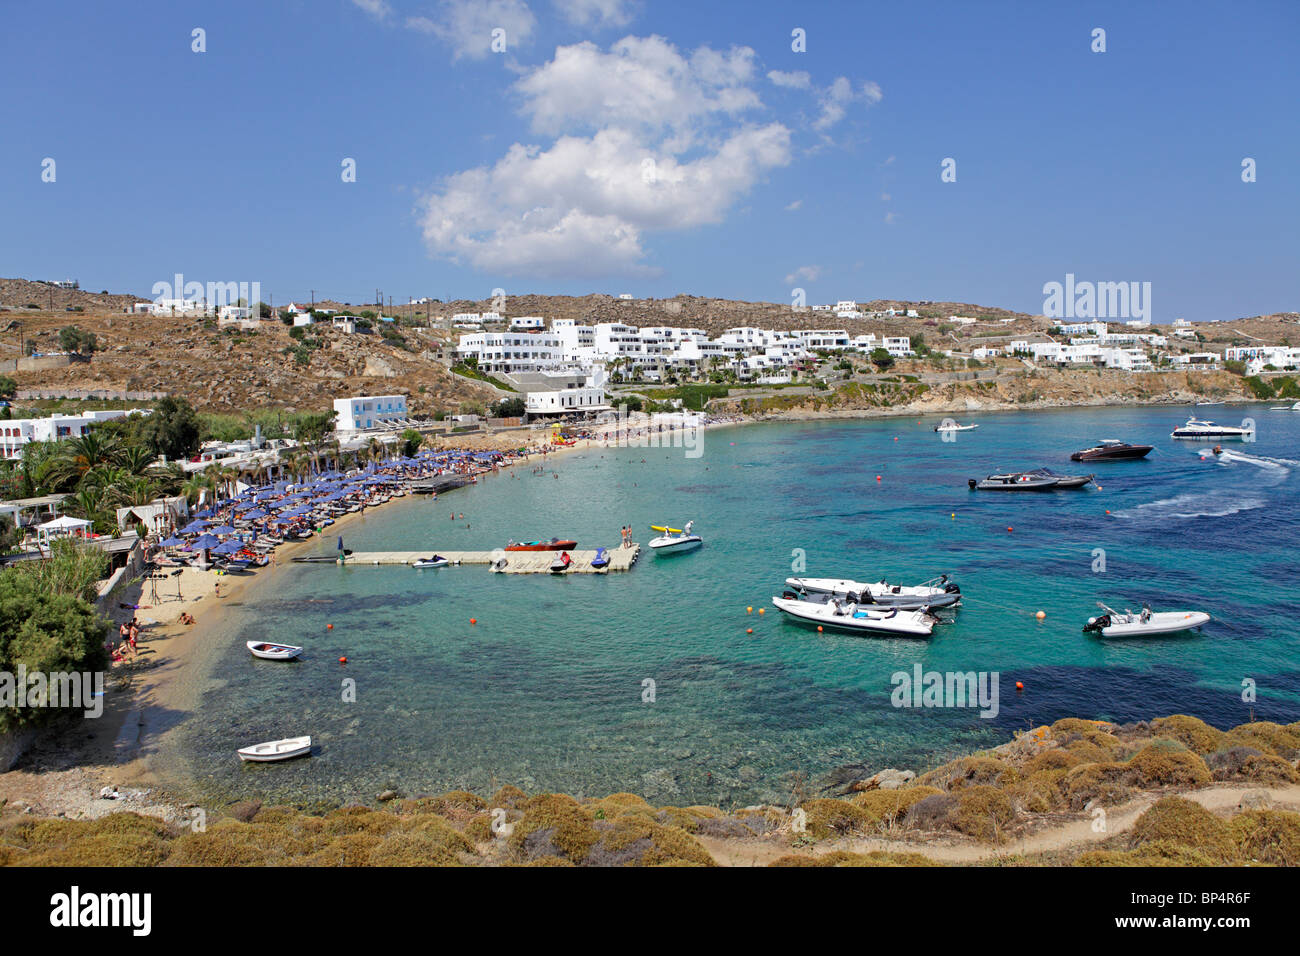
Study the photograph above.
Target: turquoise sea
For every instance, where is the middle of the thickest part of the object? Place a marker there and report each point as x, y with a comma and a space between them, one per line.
547, 691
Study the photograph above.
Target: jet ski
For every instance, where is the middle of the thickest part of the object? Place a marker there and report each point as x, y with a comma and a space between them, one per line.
561, 563
437, 561
601, 560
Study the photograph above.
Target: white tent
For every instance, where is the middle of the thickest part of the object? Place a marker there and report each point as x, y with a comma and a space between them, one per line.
65, 525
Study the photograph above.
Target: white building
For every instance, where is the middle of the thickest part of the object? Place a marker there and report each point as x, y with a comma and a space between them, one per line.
899, 346
585, 399
375, 411
512, 351
527, 322
19, 431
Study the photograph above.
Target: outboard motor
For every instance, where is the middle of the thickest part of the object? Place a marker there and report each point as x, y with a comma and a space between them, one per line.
951, 589
1095, 624
972, 483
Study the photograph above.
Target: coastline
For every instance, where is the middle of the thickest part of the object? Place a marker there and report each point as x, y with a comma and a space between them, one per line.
134, 744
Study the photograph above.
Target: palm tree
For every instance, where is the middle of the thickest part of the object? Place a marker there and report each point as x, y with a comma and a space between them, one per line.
137, 459
193, 486
131, 492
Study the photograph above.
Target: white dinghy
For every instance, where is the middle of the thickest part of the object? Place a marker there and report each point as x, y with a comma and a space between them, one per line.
935, 593
1146, 623
273, 652
273, 750
832, 612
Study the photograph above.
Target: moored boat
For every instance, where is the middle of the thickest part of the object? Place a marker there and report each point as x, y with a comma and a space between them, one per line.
829, 611
1146, 623
1111, 449
561, 563
1197, 428
1013, 481
273, 750
555, 544
954, 427
936, 593
273, 652
674, 540
436, 561
601, 560
1062, 481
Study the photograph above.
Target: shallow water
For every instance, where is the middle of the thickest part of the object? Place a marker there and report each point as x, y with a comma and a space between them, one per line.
546, 690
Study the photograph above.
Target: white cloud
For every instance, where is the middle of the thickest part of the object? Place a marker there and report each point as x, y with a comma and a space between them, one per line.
837, 97
805, 274
798, 80
379, 9
648, 139
641, 82
794, 205
596, 13
467, 25
891, 218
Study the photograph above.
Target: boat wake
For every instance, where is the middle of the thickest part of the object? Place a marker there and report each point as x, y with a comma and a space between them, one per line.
1262, 461
1194, 506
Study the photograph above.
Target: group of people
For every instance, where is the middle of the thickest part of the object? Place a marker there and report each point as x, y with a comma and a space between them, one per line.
128, 634
626, 531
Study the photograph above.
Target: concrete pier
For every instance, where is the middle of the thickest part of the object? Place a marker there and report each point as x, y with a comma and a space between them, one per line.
517, 562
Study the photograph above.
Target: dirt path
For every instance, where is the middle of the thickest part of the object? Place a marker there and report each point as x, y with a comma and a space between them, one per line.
1071, 835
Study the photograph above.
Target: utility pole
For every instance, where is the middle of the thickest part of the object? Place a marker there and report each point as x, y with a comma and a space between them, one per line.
313, 300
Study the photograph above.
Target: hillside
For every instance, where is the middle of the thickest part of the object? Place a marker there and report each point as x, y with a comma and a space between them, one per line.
223, 369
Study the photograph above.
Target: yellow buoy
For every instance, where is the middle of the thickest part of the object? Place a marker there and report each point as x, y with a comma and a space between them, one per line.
762, 610
749, 610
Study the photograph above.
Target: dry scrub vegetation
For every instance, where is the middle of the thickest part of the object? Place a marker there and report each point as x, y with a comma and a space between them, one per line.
1051, 777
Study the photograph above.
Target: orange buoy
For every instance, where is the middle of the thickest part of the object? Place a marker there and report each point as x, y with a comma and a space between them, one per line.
749, 630
1019, 686
343, 660
877, 477
473, 620
329, 627
1008, 527
749, 610
1040, 615
819, 628
762, 610
1107, 511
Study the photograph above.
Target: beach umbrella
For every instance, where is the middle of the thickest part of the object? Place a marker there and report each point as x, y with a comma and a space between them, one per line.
194, 527
206, 541
223, 529
172, 542
254, 515
229, 547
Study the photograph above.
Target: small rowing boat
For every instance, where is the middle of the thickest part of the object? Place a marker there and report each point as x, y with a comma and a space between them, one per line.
273, 652
273, 750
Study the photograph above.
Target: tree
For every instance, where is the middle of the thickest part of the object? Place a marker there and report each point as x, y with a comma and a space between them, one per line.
312, 426
881, 359
508, 408
411, 440
73, 339
8, 387
174, 428
47, 623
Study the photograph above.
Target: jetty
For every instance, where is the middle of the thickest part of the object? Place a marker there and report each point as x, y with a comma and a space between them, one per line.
517, 562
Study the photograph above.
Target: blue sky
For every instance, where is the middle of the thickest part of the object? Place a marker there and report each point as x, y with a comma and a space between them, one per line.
530, 170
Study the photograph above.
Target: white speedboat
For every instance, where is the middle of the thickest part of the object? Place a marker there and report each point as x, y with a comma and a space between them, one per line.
274, 750
1196, 428
1145, 623
830, 611
437, 561
935, 593
674, 540
954, 427
273, 652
